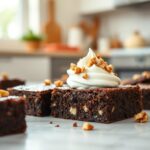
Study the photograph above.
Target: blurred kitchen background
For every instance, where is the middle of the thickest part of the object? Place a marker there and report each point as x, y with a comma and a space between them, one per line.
40, 38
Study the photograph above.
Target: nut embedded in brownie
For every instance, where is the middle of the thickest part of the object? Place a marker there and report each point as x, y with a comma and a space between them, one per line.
103, 105
12, 116
37, 97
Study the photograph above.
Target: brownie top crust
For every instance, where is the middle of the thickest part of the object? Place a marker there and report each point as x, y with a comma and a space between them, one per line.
14, 79
34, 88
16, 98
144, 86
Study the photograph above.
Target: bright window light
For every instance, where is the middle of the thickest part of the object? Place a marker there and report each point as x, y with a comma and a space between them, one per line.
10, 22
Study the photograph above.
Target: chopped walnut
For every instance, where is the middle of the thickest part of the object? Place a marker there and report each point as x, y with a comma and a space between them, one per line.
109, 68
100, 112
146, 74
73, 66
58, 83
85, 76
91, 62
87, 126
82, 69
4, 76
136, 76
85, 108
77, 70
4, 93
141, 117
73, 111
47, 82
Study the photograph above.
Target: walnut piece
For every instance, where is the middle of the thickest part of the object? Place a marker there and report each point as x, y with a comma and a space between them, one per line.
4, 76
146, 74
136, 77
100, 112
87, 126
141, 117
73, 111
73, 66
85, 76
58, 83
85, 108
47, 82
4, 93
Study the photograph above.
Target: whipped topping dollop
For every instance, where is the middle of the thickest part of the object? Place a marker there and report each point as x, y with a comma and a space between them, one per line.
97, 76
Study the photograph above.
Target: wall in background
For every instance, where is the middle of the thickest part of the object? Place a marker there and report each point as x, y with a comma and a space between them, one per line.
124, 21
67, 14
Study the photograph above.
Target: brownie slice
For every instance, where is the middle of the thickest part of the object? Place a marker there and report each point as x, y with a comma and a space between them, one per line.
38, 98
103, 105
8, 83
145, 89
12, 115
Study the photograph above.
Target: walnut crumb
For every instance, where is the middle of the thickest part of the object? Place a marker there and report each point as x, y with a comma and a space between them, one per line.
73, 66
87, 126
73, 111
136, 77
77, 70
85, 76
58, 83
4, 76
4, 93
91, 62
47, 82
141, 117
146, 74
75, 124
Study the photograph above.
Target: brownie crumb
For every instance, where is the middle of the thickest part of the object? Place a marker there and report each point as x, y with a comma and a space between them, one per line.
50, 122
75, 124
57, 125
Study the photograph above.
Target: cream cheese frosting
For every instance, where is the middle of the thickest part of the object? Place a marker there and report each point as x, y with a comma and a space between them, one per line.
97, 76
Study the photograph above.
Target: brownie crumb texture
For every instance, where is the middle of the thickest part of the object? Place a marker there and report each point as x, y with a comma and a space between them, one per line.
75, 124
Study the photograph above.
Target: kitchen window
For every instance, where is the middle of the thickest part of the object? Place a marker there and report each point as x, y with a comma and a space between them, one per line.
16, 17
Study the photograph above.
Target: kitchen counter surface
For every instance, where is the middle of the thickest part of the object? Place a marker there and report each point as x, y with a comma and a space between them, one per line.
46, 54
41, 135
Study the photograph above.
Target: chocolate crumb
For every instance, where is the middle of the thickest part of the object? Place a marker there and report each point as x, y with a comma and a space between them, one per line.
50, 122
57, 125
75, 124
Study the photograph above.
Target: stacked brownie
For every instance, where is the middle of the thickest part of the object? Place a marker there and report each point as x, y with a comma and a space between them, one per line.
37, 97
143, 80
6, 82
103, 105
12, 115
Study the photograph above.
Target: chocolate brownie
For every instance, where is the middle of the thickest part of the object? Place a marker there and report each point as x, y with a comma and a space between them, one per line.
38, 98
7, 83
12, 115
105, 105
145, 89
143, 80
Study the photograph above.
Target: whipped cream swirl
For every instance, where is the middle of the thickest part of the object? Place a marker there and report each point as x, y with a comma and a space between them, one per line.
97, 76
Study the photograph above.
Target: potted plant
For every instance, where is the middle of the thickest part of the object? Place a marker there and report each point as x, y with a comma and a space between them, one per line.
32, 40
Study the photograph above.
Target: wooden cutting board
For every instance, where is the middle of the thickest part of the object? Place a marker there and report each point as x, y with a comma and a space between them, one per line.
52, 30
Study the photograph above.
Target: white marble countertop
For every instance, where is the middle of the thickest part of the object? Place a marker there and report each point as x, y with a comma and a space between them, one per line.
40, 135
